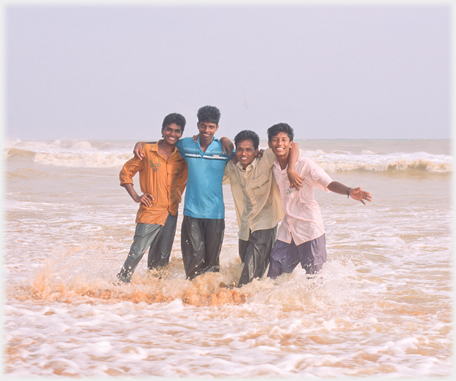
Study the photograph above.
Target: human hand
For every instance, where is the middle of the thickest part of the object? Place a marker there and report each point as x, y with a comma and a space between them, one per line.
195, 138
146, 199
295, 179
138, 150
358, 194
260, 153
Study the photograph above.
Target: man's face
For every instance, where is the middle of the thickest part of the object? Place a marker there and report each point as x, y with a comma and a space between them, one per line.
172, 133
245, 152
207, 130
280, 145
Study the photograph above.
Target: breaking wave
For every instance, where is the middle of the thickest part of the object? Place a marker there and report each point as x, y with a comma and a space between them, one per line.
97, 154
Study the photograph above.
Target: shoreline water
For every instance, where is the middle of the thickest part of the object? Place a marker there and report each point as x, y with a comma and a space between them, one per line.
380, 307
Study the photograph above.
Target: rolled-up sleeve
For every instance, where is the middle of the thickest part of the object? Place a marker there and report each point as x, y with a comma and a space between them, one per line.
130, 168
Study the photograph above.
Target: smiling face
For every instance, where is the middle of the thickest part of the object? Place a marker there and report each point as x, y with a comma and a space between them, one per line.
207, 130
245, 152
281, 145
171, 133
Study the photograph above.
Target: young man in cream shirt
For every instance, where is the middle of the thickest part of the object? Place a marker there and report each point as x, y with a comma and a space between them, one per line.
257, 201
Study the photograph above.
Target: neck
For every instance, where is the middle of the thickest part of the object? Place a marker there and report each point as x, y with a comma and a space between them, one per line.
165, 146
204, 144
283, 161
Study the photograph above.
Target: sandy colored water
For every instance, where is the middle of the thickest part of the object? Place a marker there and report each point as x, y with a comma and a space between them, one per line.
380, 307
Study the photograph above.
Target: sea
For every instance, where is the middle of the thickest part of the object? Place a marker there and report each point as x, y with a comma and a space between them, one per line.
381, 306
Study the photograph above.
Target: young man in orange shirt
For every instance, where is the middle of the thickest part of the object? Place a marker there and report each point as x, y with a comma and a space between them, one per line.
162, 178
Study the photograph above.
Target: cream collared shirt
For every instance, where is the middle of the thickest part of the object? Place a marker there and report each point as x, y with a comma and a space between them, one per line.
303, 221
255, 193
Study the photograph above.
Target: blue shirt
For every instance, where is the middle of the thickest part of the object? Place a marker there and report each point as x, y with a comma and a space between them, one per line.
204, 193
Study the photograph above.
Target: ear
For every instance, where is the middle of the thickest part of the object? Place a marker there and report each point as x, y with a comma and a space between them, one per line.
269, 144
291, 144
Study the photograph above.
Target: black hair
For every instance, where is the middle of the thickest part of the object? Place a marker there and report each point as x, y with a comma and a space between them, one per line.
280, 127
209, 114
174, 118
247, 135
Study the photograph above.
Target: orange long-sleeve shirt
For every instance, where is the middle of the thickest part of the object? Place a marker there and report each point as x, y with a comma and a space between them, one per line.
164, 179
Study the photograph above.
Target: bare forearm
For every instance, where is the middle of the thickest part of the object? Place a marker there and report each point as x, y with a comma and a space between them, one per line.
293, 156
354, 193
337, 187
131, 191
295, 178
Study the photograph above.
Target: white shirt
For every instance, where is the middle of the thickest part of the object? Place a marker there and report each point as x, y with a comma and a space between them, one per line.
255, 193
303, 221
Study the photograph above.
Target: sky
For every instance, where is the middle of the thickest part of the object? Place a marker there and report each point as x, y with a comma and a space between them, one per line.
114, 71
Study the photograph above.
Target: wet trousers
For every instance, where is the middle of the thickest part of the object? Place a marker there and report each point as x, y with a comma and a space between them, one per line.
158, 239
286, 256
201, 242
255, 253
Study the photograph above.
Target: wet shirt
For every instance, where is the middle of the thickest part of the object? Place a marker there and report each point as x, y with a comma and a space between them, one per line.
164, 179
255, 193
303, 221
204, 194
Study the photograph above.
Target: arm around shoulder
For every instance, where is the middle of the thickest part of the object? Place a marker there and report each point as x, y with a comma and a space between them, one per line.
295, 178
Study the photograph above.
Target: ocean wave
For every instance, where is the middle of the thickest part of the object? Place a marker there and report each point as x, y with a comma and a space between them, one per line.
369, 161
69, 153
101, 154
93, 160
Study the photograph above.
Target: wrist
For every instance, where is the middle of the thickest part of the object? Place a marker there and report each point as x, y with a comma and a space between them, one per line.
348, 192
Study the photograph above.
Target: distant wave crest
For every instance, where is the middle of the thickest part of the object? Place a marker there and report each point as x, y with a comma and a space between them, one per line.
96, 154
369, 161
94, 160
68, 153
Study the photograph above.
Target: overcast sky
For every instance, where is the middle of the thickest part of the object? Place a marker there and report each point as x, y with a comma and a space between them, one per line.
331, 72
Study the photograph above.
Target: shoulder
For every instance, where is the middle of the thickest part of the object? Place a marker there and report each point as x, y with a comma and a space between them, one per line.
216, 149
149, 146
230, 168
303, 160
269, 156
217, 143
309, 166
185, 143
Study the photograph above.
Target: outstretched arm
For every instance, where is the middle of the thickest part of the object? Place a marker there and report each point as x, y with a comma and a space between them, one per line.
355, 193
294, 177
138, 150
145, 199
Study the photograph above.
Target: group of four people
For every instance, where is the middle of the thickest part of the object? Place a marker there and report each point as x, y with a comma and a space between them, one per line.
275, 186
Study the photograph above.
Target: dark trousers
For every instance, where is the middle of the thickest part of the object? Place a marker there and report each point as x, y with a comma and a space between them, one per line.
201, 242
157, 238
286, 256
254, 254
160, 250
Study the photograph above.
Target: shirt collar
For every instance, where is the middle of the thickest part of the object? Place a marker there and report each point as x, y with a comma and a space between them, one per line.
213, 141
154, 147
252, 165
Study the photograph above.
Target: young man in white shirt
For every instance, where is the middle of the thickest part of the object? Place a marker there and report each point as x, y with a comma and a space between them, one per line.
301, 236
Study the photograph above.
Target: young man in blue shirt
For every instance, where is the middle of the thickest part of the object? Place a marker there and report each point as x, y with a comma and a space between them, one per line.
203, 226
